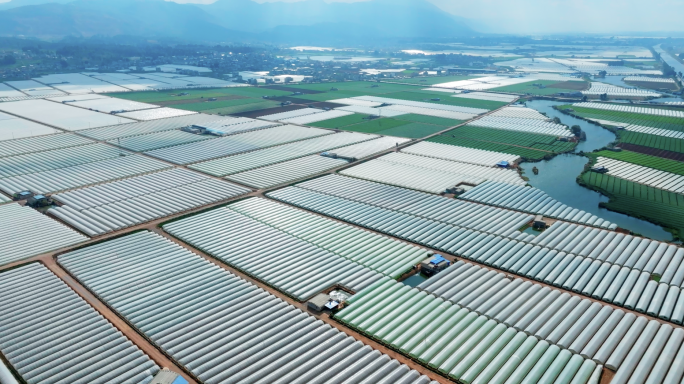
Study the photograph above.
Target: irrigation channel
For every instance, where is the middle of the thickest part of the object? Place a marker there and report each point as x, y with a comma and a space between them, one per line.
557, 177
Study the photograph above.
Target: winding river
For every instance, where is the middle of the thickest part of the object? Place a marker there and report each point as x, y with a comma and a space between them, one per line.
557, 177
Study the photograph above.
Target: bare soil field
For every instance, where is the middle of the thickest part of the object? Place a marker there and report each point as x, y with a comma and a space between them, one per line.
653, 151
269, 111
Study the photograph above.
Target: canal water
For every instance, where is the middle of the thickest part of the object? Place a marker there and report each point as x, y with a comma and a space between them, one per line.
557, 177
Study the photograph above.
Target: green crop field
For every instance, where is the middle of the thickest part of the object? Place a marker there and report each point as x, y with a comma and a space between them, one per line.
208, 105
373, 126
510, 138
429, 120
446, 99
653, 141
340, 122
529, 88
264, 104
330, 95
627, 118
655, 162
411, 130
655, 205
526, 153
411, 126
427, 81
365, 87
197, 94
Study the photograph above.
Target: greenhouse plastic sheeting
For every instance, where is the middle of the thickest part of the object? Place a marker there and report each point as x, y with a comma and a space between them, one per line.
291, 114
460, 154
218, 326
591, 330
379, 253
157, 113
428, 174
632, 109
455, 341
643, 175
244, 162
29, 233
61, 115
150, 141
308, 119
519, 113
286, 172
504, 98
58, 180
113, 206
649, 130
420, 104
4, 199
57, 158
291, 265
531, 200
541, 127
51, 335
41, 143
661, 259
602, 280
368, 148
230, 145
450, 211
140, 128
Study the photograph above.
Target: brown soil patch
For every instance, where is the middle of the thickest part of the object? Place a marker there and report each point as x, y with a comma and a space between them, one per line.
198, 100
293, 100
292, 89
573, 85
268, 111
653, 151
325, 104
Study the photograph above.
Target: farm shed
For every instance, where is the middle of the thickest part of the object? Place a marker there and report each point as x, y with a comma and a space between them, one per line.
460, 154
82, 175
222, 339
230, 145
531, 200
121, 204
461, 344
51, 335
30, 233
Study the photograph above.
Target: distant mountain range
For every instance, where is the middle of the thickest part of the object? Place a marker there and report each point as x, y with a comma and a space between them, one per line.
310, 21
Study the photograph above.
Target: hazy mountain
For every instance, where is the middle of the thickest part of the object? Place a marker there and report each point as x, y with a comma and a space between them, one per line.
229, 20
390, 18
21, 3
